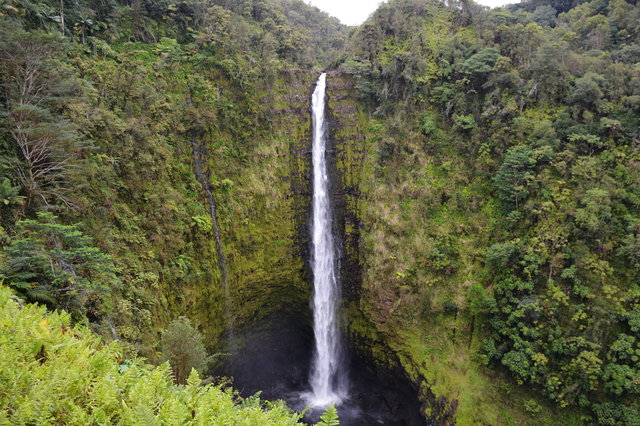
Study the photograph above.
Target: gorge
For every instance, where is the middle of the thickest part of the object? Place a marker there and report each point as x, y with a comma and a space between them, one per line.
306, 361
480, 244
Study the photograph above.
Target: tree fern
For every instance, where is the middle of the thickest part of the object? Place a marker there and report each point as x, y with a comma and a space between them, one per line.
40, 294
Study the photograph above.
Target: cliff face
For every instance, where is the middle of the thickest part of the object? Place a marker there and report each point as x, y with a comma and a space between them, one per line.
266, 236
266, 240
153, 217
264, 206
145, 205
394, 289
347, 123
354, 138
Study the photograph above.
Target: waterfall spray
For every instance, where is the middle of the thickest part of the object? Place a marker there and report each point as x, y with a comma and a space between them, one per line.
325, 383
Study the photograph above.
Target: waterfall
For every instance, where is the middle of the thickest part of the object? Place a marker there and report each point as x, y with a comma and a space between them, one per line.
324, 380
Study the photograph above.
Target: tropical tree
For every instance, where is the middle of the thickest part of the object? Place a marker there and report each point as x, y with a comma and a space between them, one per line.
181, 345
587, 92
49, 148
56, 264
515, 174
45, 146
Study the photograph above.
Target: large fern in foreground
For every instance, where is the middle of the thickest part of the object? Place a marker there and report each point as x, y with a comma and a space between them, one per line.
53, 373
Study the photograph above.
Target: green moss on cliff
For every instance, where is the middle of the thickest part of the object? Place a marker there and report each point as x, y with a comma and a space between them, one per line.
420, 250
144, 101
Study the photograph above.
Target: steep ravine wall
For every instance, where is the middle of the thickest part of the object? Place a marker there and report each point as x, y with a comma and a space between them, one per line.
262, 199
395, 299
353, 149
265, 238
264, 222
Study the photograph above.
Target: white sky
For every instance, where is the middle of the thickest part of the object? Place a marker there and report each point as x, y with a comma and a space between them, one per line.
355, 12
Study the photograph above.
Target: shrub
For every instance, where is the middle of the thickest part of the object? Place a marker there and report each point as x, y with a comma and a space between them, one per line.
479, 302
181, 345
428, 125
532, 407
514, 175
450, 307
464, 122
500, 255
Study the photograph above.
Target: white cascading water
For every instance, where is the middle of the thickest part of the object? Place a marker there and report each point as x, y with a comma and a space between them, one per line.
326, 297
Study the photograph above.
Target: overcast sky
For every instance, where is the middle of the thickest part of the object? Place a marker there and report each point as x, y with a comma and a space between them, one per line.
354, 12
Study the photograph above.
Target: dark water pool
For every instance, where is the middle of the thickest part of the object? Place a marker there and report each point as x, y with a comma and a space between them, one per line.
274, 358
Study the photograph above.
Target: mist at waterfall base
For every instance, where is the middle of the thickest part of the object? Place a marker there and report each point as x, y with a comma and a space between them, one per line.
280, 359
274, 357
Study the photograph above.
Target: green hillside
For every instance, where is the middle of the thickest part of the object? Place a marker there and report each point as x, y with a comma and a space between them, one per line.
154, 166
502, 213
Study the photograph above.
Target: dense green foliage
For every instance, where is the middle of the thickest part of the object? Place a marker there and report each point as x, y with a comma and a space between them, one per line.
56, 264
533, 167
104, 108
497, 182
54, 373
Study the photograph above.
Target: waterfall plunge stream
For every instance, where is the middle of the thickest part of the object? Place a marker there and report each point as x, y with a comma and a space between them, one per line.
274, 354
326, 387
